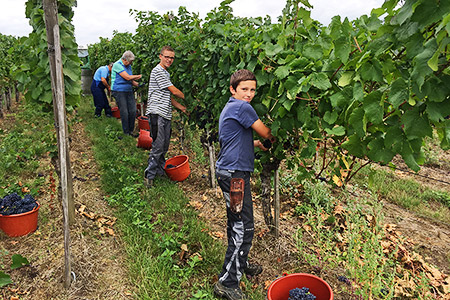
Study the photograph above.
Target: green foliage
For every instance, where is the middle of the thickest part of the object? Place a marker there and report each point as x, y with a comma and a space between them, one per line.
23, 146
109, 51
33, 70
7, 52
154, 224
18, 261
331, 239
371, 87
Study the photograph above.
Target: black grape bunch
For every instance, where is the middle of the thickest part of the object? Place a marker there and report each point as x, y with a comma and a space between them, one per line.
13, 204
301, 294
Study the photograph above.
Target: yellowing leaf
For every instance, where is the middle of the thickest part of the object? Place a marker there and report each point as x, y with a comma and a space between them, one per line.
337, 181
184, 248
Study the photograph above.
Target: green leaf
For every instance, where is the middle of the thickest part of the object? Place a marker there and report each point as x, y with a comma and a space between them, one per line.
5, 279
71, 74
354, 146
330, 117
434, 60
378, 152
408, 157
338, 100
272, 49
18, 261
282, 72
320, 81
358, 92
394, 138
416, 125
421, 67
342, 49
438, 111
372, 71
373, 107
313, 51
405, 13
399, 92
338, 130
345, 79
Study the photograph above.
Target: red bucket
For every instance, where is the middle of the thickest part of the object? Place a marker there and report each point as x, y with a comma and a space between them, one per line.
178, 167
143, 123
115, 112
144, 139
20, 224
279, 289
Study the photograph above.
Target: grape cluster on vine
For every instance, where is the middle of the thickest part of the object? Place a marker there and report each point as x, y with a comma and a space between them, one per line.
13, 204
301, 294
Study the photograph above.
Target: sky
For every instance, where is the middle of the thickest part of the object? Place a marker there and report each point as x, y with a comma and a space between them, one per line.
99, 18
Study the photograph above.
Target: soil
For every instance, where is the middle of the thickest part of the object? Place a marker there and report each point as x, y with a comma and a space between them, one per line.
98, 254
98, 259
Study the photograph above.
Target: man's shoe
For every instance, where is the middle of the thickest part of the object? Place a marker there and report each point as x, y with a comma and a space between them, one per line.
253, 269
229, 293
148, 182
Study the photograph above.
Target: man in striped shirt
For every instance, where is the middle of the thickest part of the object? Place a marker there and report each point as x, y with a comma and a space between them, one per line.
159, 111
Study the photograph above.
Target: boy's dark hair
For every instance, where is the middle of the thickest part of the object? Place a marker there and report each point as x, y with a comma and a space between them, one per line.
241, 75
166, 48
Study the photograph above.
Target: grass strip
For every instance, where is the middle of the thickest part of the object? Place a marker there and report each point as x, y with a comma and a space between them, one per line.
157, 225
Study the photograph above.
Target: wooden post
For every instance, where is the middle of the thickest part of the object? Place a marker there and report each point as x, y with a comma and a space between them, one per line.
212, 164
16, 88
2, 96
8, 98
276, 210
59, 109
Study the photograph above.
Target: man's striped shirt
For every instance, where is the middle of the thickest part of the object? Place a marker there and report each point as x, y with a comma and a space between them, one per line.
159, 101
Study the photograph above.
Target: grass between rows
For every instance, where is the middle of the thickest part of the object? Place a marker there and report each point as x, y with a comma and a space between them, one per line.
154, 223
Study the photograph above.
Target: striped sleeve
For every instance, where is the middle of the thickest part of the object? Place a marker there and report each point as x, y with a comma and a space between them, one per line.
159, 101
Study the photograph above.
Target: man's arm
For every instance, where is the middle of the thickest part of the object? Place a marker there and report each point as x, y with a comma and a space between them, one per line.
177, 105
129, 77
105, 83
176, 92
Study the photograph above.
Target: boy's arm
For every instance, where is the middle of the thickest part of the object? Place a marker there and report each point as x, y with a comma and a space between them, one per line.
262, 130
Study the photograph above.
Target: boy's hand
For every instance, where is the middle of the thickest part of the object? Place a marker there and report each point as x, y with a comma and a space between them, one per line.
257, 143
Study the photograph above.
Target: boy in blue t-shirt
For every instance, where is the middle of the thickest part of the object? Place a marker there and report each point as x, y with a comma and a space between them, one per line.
237, 122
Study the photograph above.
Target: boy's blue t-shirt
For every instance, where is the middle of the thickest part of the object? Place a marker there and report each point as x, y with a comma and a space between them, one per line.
119, 84
236, 136
101, 72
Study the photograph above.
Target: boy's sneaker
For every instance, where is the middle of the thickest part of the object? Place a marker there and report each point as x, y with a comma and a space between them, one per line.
253, 269
229, 293
148, 182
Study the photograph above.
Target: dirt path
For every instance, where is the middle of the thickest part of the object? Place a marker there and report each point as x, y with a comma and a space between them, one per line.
97, 254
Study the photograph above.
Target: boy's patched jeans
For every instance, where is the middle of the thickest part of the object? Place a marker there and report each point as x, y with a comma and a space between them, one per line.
240, 229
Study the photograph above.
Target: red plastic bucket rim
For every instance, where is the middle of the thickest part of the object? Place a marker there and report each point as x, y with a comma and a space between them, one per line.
22, 214
285, 275
168, 162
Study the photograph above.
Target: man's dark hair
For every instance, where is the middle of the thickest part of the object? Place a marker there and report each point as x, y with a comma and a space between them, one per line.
166, 48
241, 75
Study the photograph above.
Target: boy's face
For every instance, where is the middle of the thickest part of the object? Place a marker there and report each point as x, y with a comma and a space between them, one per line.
244, 91
167, 58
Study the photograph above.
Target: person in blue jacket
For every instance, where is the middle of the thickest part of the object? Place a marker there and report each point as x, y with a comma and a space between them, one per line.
100, 82
122, 82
